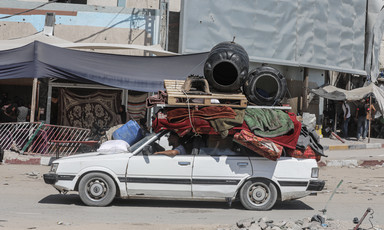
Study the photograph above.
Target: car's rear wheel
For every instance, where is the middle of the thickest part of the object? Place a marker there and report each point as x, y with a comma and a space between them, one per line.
258, 194
97, 189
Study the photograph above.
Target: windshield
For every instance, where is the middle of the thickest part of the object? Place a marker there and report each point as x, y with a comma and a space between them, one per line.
141, 142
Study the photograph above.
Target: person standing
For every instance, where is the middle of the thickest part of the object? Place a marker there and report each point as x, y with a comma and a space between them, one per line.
370, 111
347, 116
122, 115
9, 113
22, 112
361, 116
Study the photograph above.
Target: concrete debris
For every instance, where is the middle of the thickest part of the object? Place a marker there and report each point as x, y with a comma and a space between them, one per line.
63, 223
14, 147
317, 222
33, 174
365, 189
246, 223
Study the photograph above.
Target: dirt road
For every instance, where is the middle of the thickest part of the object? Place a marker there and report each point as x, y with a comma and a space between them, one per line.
28, 203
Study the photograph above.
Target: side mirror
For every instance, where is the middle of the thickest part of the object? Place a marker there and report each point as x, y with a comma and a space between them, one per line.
147, 150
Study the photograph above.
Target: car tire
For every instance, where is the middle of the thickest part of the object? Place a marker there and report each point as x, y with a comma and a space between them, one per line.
258, 195
97, 189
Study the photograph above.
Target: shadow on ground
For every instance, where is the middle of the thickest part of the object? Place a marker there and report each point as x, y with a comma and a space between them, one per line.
74, 199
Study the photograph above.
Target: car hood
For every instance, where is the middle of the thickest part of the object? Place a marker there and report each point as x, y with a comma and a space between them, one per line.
85, 156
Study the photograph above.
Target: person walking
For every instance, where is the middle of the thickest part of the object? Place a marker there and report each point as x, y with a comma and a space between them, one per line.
347, 116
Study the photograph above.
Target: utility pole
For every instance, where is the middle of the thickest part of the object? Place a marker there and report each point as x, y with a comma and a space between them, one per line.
164, 23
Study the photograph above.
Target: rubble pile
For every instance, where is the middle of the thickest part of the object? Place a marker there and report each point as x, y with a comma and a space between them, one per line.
317, 222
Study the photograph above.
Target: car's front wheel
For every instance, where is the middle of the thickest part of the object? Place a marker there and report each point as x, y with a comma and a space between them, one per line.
258, 195
97, 189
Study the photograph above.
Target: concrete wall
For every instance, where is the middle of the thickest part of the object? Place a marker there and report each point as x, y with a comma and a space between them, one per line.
86, 23
9, 30
174, 5
102, 2
82, 23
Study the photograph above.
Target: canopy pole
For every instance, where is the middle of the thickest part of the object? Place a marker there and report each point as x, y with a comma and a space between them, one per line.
349, 82
49, 103
335, 123
305, 91
370, 118
150, 112
33, 101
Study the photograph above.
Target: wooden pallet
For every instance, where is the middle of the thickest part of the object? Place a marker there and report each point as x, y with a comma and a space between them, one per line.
176, 97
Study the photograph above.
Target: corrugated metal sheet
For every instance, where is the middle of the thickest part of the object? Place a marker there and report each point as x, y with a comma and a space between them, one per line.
316, 34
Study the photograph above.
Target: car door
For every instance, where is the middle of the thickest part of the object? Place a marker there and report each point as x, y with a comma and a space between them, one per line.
218, 174
159, 176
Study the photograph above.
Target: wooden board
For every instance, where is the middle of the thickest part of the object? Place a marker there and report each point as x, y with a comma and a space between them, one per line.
176, 96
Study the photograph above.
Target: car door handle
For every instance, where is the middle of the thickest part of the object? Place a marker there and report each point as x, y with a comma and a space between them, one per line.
184, 163
242, 164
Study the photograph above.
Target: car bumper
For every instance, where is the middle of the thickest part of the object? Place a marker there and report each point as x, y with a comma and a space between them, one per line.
50, 178
316, 185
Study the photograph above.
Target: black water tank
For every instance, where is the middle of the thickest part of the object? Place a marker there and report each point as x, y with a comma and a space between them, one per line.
226, 67
265, 86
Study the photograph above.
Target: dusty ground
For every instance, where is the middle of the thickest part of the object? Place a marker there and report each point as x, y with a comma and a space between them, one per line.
361, 188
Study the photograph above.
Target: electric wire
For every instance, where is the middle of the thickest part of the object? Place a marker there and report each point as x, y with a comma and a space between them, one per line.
370, 218
109, 23
29, 10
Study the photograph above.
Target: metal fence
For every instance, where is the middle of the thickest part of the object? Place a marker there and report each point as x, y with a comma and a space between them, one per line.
39, 138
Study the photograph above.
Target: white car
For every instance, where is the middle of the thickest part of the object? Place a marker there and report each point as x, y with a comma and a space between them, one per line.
212, 174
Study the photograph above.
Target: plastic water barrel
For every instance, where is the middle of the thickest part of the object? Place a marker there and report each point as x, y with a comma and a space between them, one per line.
129, 132
265, 86
226, 67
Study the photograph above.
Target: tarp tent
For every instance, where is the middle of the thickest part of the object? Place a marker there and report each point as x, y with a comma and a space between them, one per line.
337, 94
22, 41
141, 73
52, 40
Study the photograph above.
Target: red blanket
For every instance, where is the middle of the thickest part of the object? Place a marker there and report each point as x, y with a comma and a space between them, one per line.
200, 126
207, 113
307, 154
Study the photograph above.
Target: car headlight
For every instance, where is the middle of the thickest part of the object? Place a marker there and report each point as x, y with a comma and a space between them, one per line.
54, 167
315, 173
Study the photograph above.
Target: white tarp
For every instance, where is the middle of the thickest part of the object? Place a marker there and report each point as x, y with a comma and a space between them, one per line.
375, 40
316, 34
52, 40
337, 94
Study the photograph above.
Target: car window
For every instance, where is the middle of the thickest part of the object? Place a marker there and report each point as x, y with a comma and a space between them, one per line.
217, 152
147, 140
215, 145
141, 142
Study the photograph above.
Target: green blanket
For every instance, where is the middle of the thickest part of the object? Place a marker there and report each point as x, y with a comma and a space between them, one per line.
223, 125
268, 122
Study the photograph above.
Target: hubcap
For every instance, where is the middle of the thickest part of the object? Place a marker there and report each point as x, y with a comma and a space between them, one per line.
258, 194
96, 189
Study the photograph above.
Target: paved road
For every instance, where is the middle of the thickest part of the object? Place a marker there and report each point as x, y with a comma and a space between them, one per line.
28, 203
359, 154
